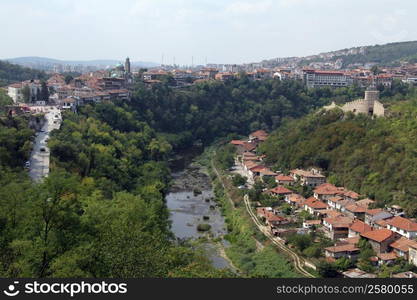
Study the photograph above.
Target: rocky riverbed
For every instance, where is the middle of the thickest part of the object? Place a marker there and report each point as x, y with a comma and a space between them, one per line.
191, 203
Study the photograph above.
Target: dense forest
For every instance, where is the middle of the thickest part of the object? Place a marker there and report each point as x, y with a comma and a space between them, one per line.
100, 212
10, 73
376, 157
210, 110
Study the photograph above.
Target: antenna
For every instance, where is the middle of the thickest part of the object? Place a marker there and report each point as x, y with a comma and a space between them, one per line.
162, 60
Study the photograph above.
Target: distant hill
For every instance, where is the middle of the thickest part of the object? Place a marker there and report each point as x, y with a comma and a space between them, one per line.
37, 62
10, 73
384, 55
388, 54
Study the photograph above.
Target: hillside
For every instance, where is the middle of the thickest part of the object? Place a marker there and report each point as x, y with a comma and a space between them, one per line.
388, 54
375, 157
10, 73
385, 55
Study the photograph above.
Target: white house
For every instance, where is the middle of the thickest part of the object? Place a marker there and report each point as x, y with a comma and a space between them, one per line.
403, 226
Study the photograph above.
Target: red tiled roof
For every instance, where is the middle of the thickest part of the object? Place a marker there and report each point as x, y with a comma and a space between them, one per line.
382, 223
330, 213
403, 223
271, 217
259, 133
342, 248
237, 142
351, 240
280, 190
403, 244
284, 178
339, 221
305, 173
315, 204
360, 227
313, 222
365, 202
351, 194
327, 189
378, 235
355, 208
387, 256
296, 198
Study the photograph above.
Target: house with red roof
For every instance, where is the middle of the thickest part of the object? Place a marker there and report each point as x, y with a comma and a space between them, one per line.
402, 247
308, 178
280, 191
258, 136
349, 251
380, 239
337, 227
354, 211
294, 200
313, 206
358, 227
386, 258
403, 226
284, 180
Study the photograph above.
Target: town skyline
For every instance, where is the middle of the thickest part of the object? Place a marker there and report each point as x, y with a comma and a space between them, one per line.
191, 33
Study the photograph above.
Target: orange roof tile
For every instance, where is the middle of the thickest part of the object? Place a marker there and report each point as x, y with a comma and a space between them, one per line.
360, 227
280, 190
403, 223
387, 256
284, 178
378, 235
315, 204
403, 244
342, 248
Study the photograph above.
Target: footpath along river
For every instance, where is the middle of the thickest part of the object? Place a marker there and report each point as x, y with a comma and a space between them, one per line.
188, 208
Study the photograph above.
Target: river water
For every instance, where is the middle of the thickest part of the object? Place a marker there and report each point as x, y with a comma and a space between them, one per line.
188, 208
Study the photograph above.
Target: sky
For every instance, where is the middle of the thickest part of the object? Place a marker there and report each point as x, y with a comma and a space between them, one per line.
216, 31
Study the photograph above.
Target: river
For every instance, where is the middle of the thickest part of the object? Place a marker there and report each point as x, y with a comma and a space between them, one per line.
191, 202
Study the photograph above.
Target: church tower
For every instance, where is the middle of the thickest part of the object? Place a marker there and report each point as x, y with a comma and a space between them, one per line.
127, 65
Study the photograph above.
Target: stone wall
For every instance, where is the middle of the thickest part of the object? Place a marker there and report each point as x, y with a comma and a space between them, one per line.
379, 109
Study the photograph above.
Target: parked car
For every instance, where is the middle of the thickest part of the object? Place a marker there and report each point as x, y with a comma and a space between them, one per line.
43, 149
27, 164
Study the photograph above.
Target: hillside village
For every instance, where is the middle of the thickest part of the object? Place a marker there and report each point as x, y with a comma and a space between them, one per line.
345, 219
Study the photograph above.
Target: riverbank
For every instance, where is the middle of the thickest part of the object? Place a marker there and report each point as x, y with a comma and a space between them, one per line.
194, 214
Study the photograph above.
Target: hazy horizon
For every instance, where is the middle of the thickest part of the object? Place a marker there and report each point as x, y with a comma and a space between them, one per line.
216, 31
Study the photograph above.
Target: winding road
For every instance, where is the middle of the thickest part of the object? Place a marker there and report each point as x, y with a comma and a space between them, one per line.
39, 158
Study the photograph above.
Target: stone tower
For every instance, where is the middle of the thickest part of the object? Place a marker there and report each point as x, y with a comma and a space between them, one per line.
127, 65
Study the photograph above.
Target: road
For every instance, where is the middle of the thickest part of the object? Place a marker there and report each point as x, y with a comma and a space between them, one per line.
298, 261
39, 160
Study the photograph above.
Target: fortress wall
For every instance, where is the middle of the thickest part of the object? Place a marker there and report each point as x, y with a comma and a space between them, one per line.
357, 106
379, 109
